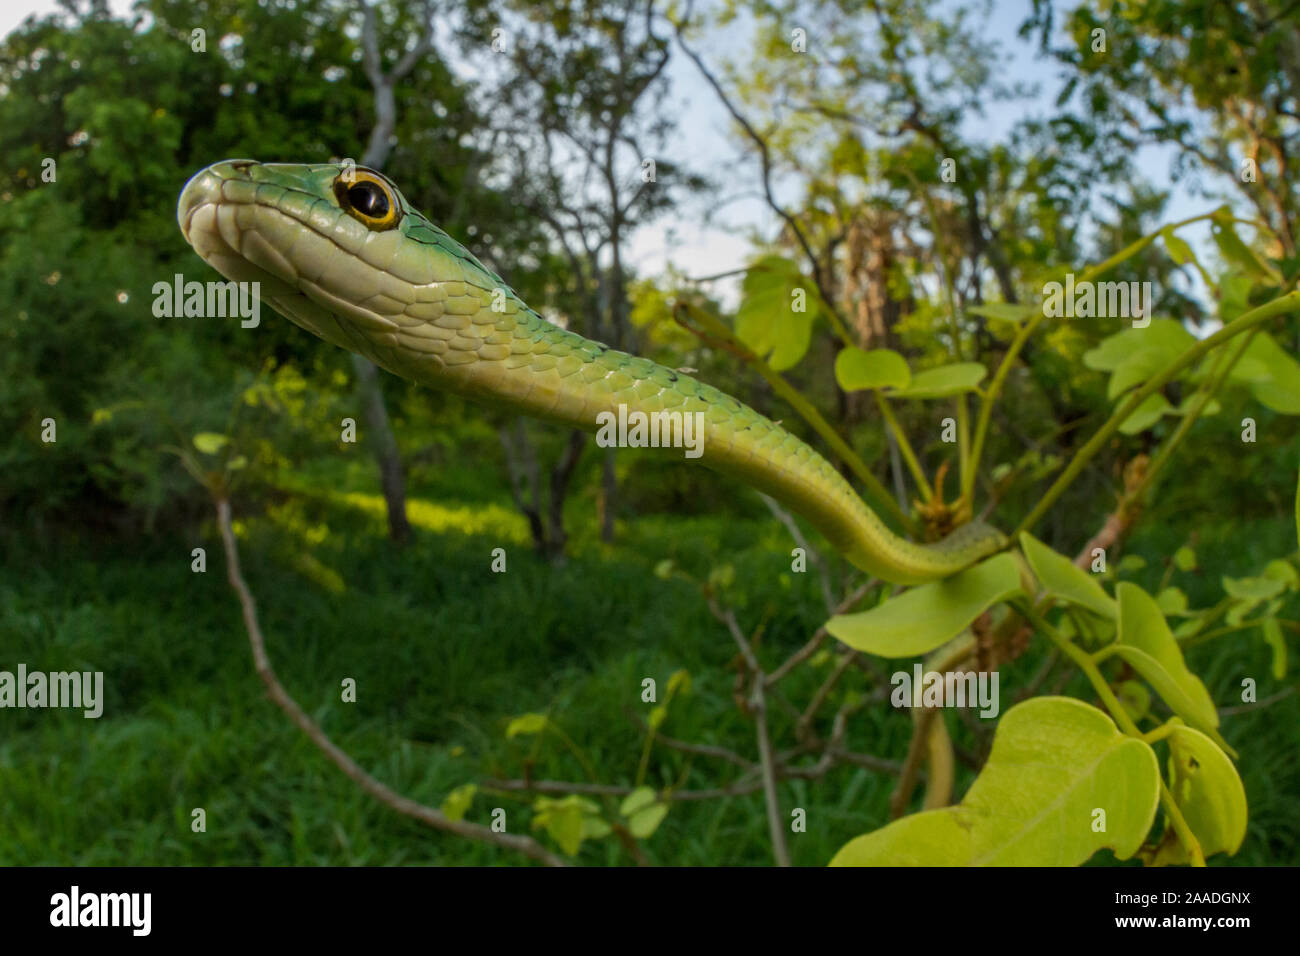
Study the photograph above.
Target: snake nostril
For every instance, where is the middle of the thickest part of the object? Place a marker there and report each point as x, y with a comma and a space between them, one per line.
242, 165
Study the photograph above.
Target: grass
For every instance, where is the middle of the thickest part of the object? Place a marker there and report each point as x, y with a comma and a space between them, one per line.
444, 652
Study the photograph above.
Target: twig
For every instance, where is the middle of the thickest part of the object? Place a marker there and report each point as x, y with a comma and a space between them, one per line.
765, 161
819, 698
916, 751
1247, 708
381, 792
758, 706
807, 651
814, 556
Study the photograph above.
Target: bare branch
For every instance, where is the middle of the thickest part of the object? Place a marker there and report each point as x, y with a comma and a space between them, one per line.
380, 791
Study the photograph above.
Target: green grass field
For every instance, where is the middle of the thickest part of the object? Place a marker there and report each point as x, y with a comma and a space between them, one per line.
444, 653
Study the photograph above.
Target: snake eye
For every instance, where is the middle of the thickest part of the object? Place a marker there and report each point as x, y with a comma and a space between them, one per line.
368, 198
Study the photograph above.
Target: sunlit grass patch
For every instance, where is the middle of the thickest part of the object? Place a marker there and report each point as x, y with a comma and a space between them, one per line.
495, 520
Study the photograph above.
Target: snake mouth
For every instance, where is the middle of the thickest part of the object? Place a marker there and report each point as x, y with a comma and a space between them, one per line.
216, 214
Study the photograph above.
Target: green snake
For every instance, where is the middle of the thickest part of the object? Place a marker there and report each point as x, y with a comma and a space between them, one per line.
339, 251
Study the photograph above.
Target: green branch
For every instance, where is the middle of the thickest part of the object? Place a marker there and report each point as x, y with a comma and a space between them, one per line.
904, 446
1025, 331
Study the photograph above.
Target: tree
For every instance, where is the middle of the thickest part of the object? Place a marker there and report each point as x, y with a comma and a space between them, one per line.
581, 111
1138, 71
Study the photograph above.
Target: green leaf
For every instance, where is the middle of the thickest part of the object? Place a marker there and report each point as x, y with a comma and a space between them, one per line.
1283, 571
1055, 761
1234, 295
1063, 579
1208, 791
1146, 643
722, 577
1272, 632
767, 321
210, 442
1166, 337
1179, 250
1150, 411
645, 821
679, 681
1236, 252
1172, 601
1003, 311
856, 369
566, 820
1135, 370
1130, 564
658, 714
1185, 559
1182, 253
526, 724
1275, 375
921, 619
944, 381
639, 798
1135, 697
643, 811
456, 803
1253, 590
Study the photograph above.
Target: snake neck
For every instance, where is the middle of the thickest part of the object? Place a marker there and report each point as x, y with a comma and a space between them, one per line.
515, 360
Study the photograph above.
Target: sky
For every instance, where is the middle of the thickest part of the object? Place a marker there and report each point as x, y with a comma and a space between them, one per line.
703, 134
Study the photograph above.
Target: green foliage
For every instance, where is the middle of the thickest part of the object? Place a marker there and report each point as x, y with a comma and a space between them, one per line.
777, 312
927, 616
1146, 644
1089, 787
944, 381
1209, 793
80, 255
1061, 579
856, 369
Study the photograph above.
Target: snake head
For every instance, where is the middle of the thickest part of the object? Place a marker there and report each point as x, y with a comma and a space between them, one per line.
338, 250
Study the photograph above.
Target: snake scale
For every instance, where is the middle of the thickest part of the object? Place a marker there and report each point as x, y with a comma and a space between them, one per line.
339, 251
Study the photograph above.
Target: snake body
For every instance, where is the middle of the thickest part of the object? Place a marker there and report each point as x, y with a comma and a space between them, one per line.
339, 251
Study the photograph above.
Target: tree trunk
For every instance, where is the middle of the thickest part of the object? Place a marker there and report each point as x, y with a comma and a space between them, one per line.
561, 474
383, 443
547, 531
608, 495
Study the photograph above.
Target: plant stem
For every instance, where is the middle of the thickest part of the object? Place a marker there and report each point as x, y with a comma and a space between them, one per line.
904, 446
1218, 375
964, 470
